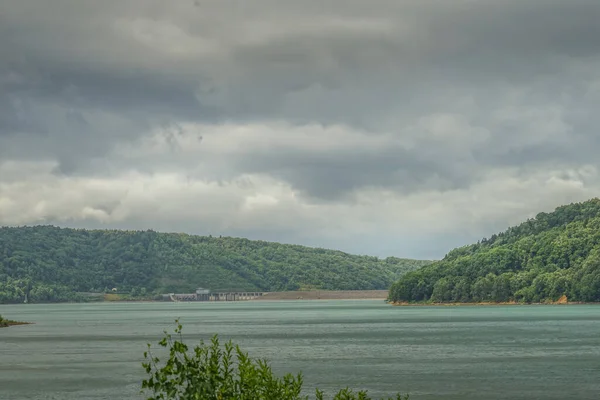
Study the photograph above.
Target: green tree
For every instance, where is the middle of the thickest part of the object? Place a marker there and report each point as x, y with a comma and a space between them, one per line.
442, 290
50, 264
215, 372
553, 255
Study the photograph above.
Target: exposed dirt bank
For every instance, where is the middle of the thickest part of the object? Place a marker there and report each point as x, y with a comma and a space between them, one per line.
326, 295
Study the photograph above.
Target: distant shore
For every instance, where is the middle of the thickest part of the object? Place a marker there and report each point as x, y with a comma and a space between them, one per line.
487, 304
325, 295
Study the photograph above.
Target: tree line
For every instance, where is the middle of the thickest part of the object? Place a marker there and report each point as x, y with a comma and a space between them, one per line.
48, 264
552, 255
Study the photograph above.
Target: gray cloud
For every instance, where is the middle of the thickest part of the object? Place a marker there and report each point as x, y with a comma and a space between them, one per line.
329, 175
301, 107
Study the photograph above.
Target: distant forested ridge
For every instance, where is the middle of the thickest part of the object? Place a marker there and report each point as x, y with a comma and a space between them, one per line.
46, 263
541, 260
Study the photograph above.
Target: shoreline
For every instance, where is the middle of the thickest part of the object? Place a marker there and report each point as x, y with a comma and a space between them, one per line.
324, 295
488, 304
563, 300
379, 295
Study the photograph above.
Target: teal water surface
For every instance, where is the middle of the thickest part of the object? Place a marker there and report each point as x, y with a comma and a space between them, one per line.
94, 351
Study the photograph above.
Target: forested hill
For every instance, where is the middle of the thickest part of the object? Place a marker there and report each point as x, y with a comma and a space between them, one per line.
52, 264
542, 259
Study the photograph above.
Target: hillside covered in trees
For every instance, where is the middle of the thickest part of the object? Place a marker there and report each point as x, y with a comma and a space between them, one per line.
47, 263
542, 259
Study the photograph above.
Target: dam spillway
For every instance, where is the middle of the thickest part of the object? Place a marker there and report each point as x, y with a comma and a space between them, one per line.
206, 295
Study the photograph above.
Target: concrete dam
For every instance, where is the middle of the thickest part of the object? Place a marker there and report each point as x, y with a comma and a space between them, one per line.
202, 294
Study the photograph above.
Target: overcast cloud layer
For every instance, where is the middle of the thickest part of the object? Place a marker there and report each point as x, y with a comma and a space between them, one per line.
390, 128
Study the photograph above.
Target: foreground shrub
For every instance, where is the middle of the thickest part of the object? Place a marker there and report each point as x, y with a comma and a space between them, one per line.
213, 372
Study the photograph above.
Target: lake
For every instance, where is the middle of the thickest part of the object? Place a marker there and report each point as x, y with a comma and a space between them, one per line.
94, 351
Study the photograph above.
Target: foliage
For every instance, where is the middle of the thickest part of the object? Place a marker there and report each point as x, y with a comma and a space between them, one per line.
540, 260
7, 322
210, 372
46, 264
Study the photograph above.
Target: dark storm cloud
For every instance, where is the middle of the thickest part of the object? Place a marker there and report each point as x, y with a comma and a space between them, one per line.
136, 92
328, 175
79, 59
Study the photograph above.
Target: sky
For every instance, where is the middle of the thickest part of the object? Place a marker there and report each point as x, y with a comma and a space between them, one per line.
389, 128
